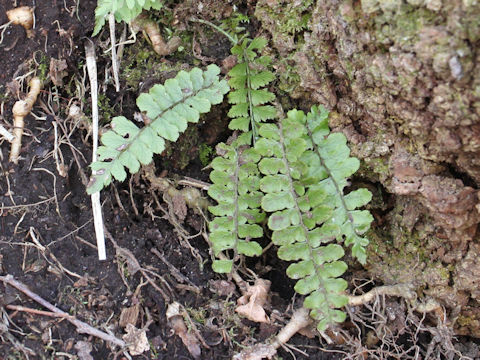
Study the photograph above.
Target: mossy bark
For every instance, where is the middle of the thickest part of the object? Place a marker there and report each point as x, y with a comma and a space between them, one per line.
402, 79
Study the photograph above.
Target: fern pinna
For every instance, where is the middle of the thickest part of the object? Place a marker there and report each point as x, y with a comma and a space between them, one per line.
169, 107
304, 175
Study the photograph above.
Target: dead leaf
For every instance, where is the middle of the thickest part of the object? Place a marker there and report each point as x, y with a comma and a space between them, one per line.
222, 287
136, 339
83, 350
179, 206
129, 315
175, 319
251, 304
57, 71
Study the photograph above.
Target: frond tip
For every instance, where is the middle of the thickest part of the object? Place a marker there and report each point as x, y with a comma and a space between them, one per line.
170, 107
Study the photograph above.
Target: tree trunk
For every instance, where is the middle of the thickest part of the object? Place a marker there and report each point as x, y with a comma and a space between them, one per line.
402, 81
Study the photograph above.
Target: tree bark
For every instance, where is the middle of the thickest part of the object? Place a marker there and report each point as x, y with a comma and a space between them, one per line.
402, 81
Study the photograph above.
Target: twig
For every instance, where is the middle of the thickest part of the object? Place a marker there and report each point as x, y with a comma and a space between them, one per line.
37, 312
81, 326
96, 206
175, 272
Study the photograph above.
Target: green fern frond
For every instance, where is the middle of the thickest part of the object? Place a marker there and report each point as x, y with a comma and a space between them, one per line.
329, 160
297, 215
304, 196
170, 107
250, 102
235, 187
124, 10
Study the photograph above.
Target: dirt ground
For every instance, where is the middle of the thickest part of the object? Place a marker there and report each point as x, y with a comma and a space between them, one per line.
47, 238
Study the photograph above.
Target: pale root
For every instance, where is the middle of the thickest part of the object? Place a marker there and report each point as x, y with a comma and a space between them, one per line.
21, 109
22, 15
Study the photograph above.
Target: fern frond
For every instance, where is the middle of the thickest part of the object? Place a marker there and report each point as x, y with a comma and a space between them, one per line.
170, 107
250, 103
124, 10
236, 189
329, 161
304, 196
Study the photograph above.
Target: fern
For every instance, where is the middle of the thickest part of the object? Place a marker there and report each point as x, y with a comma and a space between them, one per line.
328, 159
235, 186
170, 107
249, 98
304, 174
124, 10
235, 176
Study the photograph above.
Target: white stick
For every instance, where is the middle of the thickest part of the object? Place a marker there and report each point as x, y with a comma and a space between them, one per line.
96, 206
111, 23
6, 134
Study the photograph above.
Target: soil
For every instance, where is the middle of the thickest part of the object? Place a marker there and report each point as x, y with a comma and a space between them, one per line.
47, 238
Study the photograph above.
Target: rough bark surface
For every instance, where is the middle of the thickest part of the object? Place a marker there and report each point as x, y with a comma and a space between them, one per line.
402, 79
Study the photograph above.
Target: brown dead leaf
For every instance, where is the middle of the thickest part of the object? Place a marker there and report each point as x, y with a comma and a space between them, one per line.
179, 206
222, 287
136, 340
251, 304
129, 315
175, 319
57, 71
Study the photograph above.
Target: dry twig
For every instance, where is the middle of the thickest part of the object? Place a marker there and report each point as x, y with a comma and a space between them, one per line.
82, 327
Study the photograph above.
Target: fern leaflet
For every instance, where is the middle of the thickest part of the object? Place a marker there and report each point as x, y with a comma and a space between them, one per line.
170, 107
329, 160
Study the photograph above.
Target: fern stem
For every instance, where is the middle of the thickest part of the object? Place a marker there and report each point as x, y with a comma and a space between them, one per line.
219, 29
249, 95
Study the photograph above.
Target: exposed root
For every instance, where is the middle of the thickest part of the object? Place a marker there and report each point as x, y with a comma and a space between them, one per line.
21, 109
22, 15
143, 23
301, 319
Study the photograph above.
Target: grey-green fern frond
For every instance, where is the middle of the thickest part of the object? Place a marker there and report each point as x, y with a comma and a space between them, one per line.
304, 175
170, 107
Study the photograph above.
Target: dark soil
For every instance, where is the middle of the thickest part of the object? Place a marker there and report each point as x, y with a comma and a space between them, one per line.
47, 239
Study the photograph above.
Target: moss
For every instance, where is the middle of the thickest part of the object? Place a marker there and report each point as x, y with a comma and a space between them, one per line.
106, 110
179, 154
205, 153
42, 65
402, 24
